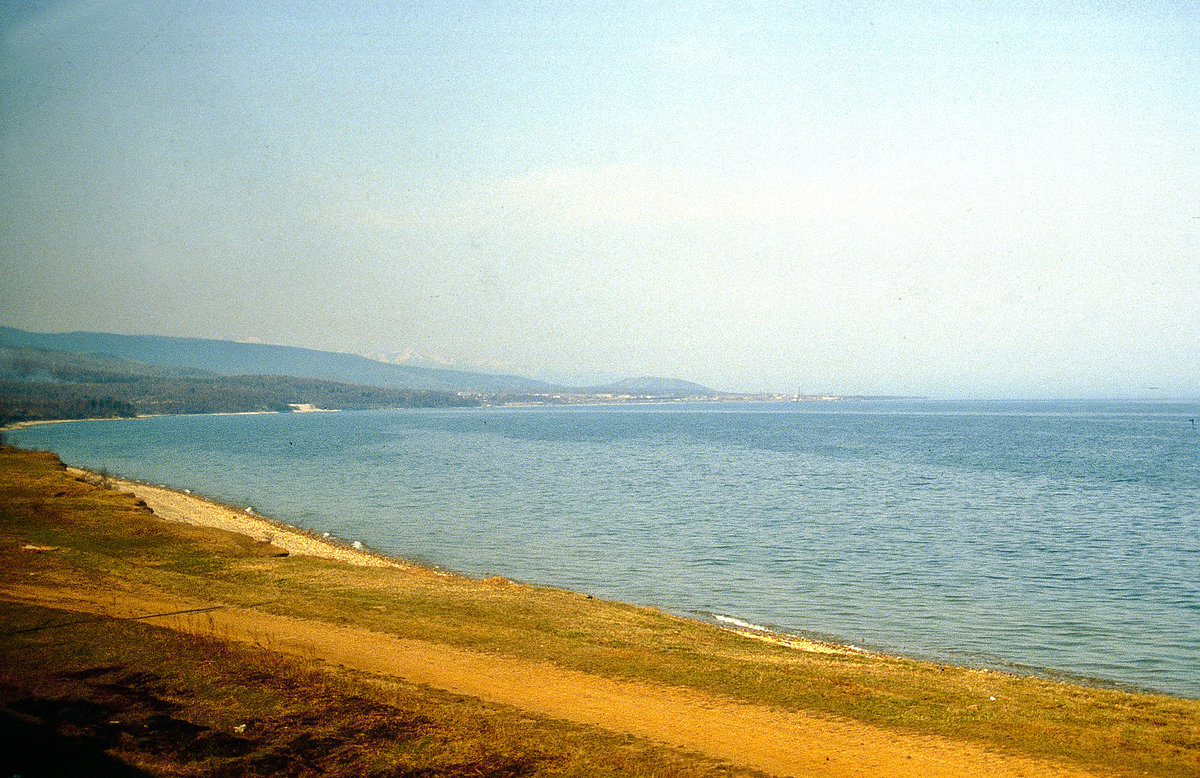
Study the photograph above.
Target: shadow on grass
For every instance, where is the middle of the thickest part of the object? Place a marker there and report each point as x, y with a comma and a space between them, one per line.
32, 748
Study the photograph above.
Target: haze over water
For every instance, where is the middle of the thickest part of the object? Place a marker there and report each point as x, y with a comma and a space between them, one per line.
1058, 537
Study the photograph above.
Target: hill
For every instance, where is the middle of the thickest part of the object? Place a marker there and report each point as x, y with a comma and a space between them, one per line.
231, 358
37, 384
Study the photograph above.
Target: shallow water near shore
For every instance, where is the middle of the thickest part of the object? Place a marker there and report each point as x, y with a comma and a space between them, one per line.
1056, 537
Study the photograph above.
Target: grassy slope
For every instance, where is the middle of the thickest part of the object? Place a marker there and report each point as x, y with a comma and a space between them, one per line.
119, 694
100, 696
106, 536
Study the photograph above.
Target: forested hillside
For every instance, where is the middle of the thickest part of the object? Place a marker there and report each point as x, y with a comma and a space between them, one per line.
37, 384
223, 357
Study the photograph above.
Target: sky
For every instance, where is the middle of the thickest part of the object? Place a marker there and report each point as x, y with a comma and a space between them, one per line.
942, 199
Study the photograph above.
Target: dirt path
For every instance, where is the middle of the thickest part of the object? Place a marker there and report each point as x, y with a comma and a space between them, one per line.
778, 742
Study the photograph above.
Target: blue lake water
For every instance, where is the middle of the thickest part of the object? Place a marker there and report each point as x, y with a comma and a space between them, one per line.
1051, 537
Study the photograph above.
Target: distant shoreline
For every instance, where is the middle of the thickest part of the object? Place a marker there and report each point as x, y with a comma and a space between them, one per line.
559, 400
19, 425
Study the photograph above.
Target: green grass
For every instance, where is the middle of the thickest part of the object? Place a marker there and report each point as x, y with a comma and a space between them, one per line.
105, 537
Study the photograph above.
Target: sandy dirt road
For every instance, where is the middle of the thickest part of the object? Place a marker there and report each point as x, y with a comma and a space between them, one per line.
775, 741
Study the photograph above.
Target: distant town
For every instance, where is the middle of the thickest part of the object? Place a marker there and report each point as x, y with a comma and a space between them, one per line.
613, 398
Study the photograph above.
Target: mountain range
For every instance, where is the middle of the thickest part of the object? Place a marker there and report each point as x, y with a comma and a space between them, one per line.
231, 358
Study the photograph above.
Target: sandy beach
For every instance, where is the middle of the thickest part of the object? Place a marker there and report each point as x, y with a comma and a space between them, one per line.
172, 505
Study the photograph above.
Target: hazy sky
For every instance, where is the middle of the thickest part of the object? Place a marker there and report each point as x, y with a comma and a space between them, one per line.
971, 199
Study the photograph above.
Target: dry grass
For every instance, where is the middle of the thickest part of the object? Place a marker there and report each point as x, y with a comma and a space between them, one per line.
105, 537
173, 704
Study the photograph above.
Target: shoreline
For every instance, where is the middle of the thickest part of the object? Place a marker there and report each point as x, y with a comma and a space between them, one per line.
20, 425
546, 652
184, 506
264, 528
189, 508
